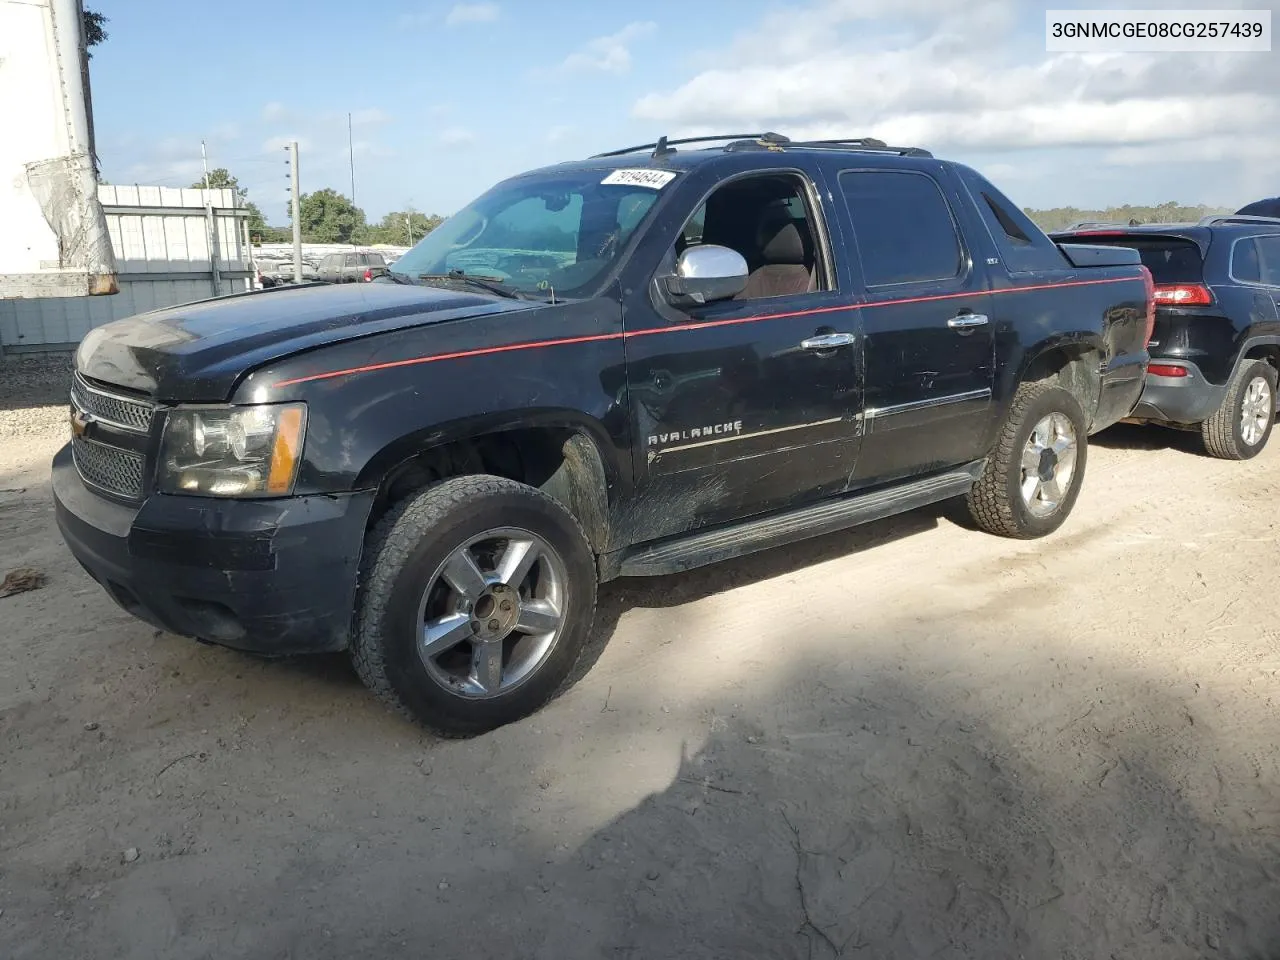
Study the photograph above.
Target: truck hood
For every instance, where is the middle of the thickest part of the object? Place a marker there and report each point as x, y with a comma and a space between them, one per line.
196, 352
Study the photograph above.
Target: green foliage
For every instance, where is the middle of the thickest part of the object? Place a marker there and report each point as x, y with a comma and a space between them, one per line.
395, 227
329, 217
219, 179
1059, 218
94, 26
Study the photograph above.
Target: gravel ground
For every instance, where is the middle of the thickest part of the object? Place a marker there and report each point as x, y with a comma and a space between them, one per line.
910, 740
33, 390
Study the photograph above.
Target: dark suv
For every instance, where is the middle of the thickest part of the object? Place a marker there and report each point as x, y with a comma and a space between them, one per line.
351, 267
1215, 350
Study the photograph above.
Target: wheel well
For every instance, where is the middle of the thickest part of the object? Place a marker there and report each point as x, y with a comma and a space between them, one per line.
1269, 352
1076, 369
562, 462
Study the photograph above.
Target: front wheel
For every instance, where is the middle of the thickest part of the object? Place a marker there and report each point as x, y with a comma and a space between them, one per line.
476, 602
1239, 428
1032, 477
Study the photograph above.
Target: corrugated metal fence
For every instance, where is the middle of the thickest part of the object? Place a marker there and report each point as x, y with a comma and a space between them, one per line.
161, 238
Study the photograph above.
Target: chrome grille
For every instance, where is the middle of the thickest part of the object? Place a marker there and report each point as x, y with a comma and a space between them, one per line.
110, 468
112, 408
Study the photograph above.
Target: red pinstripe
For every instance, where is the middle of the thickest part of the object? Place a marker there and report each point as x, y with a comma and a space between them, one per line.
566, 341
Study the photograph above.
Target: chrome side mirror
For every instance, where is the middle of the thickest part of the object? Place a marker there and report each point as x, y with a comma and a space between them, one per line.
707, 273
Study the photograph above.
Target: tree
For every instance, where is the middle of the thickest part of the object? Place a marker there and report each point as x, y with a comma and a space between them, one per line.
329, 217
220, 178
395, 227
94, 29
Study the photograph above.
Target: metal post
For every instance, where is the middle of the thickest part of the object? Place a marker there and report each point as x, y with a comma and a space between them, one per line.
408, 222
296, 196
351, 155
214, 273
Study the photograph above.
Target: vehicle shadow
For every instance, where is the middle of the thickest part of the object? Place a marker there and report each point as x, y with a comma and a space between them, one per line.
629, 593
1133, 436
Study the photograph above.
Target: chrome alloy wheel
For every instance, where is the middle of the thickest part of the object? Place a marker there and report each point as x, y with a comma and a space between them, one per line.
1256, 409
492, 613
1048, 464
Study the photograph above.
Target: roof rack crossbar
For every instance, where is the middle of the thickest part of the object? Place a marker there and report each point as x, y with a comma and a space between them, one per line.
1235, 218
667, 143
865, 143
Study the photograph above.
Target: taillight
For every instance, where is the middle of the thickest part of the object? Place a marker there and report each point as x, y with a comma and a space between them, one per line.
368, 276
1166, 370
1150, 286
1183, 295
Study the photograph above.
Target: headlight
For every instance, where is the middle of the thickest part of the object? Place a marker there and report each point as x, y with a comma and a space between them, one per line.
233, 451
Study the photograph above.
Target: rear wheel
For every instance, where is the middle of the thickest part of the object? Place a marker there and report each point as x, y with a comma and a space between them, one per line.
1032, 478
476, 602
1240, 427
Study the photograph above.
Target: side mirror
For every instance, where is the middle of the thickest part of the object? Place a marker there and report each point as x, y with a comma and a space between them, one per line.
706, 273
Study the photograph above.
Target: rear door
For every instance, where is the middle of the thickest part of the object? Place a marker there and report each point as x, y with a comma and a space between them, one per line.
929, 346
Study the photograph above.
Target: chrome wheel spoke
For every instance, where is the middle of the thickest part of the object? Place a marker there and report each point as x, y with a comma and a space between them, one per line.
1051, 492
462, 574
486, 666
1031, 458
517, 560
445, 633
1030, 488
538, 617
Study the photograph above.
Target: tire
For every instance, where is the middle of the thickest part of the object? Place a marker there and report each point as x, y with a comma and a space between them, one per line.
405, 586
996, 502
1252, 395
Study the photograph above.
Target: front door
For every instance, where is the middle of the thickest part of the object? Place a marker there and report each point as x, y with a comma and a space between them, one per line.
929, 340
747, 405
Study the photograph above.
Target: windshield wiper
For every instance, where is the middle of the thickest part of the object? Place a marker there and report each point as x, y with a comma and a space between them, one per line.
398, 278
491, 284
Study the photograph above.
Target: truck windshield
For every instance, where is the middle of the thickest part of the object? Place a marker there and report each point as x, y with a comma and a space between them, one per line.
553, 234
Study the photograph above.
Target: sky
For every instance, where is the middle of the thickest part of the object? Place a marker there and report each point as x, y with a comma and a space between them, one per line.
447, 98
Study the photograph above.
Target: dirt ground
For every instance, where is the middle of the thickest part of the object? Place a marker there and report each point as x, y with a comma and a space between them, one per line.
911, 740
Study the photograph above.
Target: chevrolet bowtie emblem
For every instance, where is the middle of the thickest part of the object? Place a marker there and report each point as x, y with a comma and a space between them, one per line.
80, 421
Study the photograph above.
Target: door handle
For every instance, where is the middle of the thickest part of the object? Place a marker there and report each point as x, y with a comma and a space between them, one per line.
963, 321
829, 341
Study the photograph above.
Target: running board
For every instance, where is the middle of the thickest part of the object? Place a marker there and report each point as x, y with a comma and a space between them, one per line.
724, 543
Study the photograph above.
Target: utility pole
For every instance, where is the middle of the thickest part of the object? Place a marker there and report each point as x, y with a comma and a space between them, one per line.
408, 222
214, 273
296, 206
351, 155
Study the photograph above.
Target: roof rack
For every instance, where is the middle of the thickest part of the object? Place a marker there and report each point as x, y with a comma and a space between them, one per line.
865, 143
1234, 218
768, 141
664, 146
1097, 224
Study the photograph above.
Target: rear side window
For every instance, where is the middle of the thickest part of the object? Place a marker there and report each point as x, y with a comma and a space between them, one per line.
1170, 259
903, 226
1257, 261
1022, 244
375, 260
351, 259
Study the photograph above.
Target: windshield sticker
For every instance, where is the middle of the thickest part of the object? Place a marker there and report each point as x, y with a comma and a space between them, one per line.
653, 179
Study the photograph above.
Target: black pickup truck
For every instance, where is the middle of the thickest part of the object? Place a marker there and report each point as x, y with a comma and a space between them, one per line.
630, 365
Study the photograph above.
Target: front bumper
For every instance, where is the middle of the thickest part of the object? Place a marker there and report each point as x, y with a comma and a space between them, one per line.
267, 576
1185, 400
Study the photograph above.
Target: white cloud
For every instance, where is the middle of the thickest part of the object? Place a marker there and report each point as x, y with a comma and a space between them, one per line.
274, 111
973, 78
456, 137
472, 13
612, 53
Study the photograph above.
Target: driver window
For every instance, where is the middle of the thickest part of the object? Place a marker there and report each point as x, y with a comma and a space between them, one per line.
766, 219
